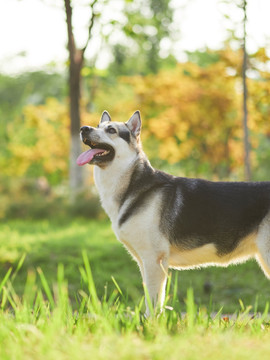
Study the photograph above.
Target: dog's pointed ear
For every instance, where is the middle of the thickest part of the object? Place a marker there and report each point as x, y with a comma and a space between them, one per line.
134, 123
105, 117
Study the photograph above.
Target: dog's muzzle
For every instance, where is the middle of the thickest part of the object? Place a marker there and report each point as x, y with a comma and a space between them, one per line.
98, 152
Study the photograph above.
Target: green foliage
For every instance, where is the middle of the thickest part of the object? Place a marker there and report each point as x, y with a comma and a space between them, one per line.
147, 24
34, 199
33, 87
203, 58
262, 158
15, 94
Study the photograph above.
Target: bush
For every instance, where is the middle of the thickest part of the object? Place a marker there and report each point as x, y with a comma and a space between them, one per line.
35, 199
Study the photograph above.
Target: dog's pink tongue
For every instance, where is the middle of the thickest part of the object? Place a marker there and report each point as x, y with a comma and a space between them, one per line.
87, 156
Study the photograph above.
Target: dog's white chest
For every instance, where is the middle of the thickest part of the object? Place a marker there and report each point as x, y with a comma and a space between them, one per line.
107, 188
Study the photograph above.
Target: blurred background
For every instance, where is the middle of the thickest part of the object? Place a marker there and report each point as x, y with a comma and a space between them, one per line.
181, 63
198, 71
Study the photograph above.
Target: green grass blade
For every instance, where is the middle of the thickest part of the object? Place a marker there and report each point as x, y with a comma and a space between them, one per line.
117, 286
20, 264
6, 277
168, 288
175, 290
90, 282
148, 300
191, 309
46, 287
266, 310
4, 298
30, 289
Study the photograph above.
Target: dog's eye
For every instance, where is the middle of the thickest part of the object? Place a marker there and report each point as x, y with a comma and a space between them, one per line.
111, 130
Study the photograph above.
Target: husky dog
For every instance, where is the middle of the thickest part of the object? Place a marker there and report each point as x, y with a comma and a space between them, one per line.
173, 222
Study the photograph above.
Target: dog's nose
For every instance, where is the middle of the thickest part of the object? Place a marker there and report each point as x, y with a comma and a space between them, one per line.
86, 130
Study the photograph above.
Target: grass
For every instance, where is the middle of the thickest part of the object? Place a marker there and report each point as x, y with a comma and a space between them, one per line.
59, 301
46, 244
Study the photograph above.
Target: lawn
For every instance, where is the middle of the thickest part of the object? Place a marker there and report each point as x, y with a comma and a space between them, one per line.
47, 244
54, 305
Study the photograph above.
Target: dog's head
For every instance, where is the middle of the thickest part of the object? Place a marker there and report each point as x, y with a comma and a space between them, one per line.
110, 140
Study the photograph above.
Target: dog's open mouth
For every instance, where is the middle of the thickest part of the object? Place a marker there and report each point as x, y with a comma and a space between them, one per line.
99, 152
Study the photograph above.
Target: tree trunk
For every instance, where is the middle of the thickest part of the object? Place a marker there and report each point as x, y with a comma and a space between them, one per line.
75, 65
245, 97
75, 172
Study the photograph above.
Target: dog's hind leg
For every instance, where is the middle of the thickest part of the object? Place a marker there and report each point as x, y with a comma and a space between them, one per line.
155, 278
265, 265
263, 244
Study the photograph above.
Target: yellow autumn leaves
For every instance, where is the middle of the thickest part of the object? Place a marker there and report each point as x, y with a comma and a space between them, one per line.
191, 114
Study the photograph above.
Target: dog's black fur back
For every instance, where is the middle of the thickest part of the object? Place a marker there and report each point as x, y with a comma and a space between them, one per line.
221, 213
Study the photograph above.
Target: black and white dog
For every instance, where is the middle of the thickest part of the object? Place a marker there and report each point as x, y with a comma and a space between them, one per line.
173, 222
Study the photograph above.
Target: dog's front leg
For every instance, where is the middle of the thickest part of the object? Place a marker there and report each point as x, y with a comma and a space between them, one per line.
155, 277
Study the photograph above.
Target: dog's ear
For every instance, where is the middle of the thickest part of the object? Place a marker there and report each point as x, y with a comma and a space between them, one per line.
105, 117
134, 123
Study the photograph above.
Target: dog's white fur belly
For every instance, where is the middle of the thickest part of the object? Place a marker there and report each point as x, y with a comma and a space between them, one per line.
207, 255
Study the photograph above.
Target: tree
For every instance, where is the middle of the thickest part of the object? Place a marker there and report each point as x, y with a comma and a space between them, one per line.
148, 24
238, 35
150, 31
190, 113
76, 60
245, 96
